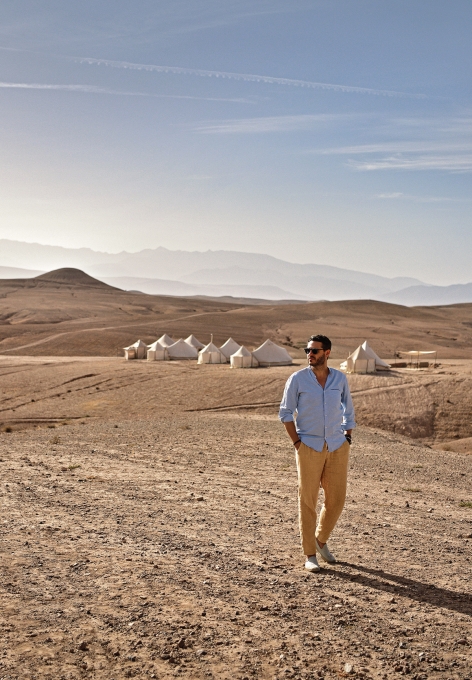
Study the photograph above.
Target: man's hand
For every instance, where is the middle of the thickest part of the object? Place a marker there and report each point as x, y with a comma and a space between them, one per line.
292, 433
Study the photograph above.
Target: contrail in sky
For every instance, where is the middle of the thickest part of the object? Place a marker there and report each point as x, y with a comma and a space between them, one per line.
248, 77
94, 89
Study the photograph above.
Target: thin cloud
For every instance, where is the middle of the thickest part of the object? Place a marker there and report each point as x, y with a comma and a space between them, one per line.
395, 147
93, 89
398, 195
456, 163
248, 77
269, 124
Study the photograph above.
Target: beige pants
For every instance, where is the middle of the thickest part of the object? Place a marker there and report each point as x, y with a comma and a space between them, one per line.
330, 468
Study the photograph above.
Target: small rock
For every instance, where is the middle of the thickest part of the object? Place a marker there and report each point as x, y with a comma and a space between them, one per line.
348, 668
199, 498
431, 510
201, 652
83, 646
407, 505
463, 641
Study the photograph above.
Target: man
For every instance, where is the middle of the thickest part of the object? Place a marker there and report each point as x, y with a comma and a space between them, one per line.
322, 437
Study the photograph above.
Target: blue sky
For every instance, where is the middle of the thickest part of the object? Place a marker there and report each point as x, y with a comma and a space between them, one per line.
131, 125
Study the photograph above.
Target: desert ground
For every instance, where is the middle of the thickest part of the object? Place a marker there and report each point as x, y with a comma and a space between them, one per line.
149, 509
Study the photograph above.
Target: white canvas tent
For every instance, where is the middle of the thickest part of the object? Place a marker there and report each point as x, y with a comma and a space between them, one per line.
182, 350
243, 358
270, 354
210, 354
156, 352
136, 351
165, 340
359, 362
380, 364
192, 340
229, 347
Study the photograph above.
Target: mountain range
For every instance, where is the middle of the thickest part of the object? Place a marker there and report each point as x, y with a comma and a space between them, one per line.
224, 273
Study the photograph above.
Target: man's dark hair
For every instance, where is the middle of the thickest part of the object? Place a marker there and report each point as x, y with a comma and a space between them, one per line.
326, 342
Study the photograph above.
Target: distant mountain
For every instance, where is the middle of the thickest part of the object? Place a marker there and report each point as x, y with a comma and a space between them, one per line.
415, 296
179, 288
213, 273
18, 273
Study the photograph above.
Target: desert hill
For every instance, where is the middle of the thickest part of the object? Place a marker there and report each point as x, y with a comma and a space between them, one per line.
71, 276
67, 312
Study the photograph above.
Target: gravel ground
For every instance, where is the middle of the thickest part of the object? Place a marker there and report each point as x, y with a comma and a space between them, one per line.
168, 546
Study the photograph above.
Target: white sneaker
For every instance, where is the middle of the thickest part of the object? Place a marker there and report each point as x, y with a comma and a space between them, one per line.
312, 564
325, 554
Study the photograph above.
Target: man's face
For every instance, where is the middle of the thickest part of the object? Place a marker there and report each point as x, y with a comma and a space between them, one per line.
321, 356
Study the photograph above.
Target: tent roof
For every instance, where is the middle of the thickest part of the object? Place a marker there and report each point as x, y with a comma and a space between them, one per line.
359, 353
242, 352
166, 340
210, 348
414, 351
156, 345
229, 347
138, 343
192, 340
270, 353
182, 349
370, 352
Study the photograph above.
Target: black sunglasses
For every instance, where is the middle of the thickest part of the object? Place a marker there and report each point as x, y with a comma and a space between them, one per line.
307, 350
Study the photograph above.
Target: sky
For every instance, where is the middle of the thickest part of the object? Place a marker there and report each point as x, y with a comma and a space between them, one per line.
327, 131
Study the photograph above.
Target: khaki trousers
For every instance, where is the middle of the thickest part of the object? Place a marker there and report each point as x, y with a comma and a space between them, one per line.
330, 468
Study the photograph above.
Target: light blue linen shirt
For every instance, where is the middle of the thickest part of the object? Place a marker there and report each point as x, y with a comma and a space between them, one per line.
322, 414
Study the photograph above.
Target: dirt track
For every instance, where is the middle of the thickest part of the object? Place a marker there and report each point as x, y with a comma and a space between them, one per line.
154, 542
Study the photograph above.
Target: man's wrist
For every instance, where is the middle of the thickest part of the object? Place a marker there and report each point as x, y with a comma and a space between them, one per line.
348, 437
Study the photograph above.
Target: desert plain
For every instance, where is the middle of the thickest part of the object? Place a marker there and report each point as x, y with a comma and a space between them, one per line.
149, 509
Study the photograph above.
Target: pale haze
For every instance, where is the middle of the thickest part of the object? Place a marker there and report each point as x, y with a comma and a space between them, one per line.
335, 132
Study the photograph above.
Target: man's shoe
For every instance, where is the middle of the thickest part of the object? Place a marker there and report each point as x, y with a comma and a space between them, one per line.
325, 554
312, 564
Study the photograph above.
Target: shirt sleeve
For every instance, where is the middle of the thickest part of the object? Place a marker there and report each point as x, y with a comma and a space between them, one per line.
289, 402
349, 422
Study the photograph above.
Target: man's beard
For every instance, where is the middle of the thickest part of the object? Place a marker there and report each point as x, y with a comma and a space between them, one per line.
319, 361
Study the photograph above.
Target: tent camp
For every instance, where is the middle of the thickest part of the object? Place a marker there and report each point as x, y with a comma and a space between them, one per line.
358, 362
192, 340
380, 364
156, 352
136, 351
243, 359
165, 340
210, 354
270, 354
182, 350
229, 347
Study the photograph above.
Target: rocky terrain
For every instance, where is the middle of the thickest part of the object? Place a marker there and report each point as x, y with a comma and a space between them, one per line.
149, 529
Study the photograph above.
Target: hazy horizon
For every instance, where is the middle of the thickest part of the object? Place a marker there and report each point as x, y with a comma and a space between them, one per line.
331, 133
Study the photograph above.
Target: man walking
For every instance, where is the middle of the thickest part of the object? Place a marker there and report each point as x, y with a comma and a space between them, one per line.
322, 437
